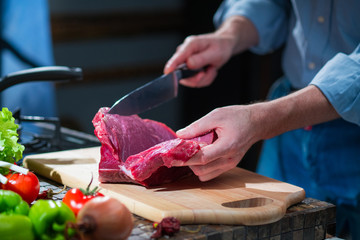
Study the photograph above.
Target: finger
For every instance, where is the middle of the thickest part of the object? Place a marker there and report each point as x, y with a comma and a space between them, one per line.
202, 58
193, 51
182, 53
215, 150
211, 175
212, 169
195, 129
209, 77
193, 81
197, 159
174, 62
202, 79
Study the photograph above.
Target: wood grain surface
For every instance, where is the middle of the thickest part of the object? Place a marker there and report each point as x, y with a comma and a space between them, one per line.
236, 197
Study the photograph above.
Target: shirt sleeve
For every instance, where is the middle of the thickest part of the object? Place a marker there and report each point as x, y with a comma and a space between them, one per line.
269, 17
339, 80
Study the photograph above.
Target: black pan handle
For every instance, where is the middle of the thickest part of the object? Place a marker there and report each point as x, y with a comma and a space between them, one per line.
51, 73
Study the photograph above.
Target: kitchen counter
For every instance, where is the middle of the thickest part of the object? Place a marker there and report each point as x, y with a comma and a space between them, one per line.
309, 219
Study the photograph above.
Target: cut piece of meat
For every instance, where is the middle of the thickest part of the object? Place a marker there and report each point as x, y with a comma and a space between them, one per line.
141, 150
141, 166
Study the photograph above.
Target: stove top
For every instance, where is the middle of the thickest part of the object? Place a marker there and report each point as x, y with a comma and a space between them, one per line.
40, 135
44, 137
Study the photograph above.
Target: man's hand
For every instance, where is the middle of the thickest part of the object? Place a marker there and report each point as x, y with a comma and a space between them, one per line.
238, 127
233, 127
212, 50
199, 51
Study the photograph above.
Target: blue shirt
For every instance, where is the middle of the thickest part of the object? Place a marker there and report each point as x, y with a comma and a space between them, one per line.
322, 44
321, 40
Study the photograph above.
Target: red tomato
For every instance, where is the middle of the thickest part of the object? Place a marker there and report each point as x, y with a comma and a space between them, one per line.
75, 198
26, 185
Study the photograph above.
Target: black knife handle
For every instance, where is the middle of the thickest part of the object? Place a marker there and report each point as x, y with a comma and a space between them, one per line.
186, 72
51, 73
190, 72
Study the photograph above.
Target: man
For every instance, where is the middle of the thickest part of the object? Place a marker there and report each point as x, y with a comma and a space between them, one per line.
312, 123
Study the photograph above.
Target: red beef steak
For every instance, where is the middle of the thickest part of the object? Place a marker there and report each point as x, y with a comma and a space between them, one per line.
140, 150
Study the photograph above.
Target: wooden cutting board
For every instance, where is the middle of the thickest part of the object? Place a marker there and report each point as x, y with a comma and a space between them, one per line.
236, 197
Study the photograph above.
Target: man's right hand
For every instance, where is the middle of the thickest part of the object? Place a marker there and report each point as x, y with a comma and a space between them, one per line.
212, 50
199, 51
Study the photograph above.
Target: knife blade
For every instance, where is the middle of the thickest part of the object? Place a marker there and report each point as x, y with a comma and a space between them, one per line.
153, 93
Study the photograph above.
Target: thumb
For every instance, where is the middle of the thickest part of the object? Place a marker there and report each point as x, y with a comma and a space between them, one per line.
195, 129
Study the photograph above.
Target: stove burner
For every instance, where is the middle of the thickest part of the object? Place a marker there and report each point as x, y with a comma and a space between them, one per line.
45, 134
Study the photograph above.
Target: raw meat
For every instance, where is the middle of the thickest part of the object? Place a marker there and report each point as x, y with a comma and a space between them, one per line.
141, 151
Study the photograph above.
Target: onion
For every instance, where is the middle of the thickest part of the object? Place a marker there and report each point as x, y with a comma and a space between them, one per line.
104, 218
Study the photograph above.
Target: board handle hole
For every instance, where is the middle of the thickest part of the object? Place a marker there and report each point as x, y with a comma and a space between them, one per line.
248, 203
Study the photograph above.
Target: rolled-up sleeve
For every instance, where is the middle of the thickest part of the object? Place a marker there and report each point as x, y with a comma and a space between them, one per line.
339, 80
270, 18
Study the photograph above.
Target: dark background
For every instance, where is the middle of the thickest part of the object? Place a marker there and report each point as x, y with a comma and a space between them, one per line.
121, 44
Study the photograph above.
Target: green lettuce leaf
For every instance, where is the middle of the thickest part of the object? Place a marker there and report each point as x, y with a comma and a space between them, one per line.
10, 150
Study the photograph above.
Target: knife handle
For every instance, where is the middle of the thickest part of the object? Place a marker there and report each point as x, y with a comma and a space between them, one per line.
186, 73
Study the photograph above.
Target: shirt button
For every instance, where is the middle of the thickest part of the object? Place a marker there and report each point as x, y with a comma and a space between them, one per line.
321, 19
311, 65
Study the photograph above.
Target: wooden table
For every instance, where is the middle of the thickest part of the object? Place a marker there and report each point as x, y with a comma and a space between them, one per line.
309, 219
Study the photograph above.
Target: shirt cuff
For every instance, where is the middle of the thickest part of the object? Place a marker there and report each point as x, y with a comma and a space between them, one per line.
269, 18
339, 80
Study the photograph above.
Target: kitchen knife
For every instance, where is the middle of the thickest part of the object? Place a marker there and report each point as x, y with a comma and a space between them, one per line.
153, 93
